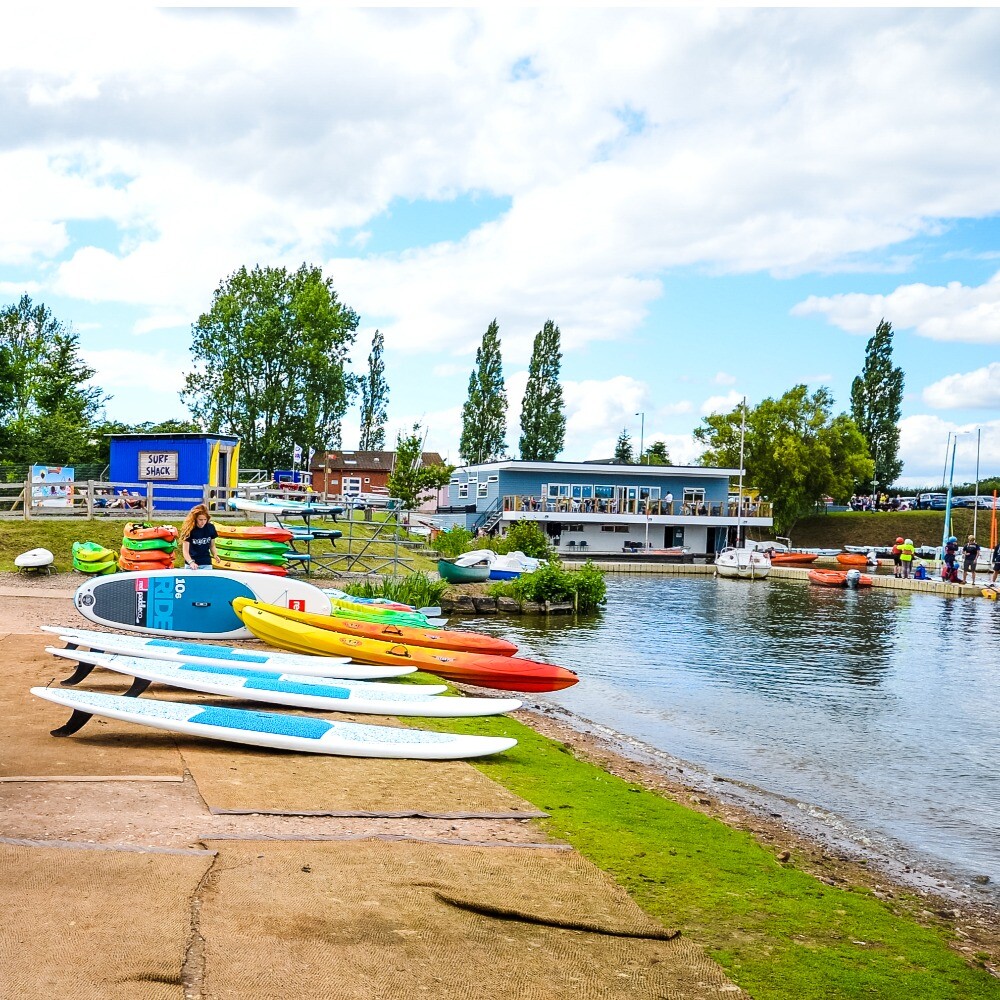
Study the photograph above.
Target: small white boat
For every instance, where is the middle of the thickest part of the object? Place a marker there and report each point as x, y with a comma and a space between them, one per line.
743, 564
502, 567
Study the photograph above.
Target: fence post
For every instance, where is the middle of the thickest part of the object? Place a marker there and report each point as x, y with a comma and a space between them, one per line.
149, 499
26, 498
90, 499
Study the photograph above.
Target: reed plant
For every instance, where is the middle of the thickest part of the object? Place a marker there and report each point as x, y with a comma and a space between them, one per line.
416, 589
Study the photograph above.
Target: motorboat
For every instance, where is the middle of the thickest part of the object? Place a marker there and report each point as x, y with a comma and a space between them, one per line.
852, 578
501, 567
742, 563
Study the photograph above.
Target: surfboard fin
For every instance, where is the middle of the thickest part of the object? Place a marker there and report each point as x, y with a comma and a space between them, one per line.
139, 684
76, 722
82, 670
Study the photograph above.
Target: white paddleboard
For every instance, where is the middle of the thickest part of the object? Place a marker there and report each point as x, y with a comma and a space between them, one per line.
298, 691
288, 508
272, 729
190, 604
34, 559
227, 656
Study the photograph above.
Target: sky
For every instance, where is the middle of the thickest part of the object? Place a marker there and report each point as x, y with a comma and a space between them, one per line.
710, 204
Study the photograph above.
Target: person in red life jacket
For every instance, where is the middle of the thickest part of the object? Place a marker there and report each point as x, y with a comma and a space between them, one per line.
949, 571
897, 558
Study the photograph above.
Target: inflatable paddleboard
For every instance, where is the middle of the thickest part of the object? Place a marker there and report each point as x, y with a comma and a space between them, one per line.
227, 656
288, 508
34, 559
271, 729
189, 604
293, 690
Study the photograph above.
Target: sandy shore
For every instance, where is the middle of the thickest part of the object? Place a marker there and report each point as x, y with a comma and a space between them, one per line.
173, 814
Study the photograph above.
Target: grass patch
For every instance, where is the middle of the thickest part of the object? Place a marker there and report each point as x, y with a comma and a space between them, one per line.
925, 527
777, 931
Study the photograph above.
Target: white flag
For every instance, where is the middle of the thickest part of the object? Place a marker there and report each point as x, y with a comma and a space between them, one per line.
296, 454
312, 451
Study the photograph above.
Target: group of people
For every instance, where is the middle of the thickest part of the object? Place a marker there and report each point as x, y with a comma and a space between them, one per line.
877, 501
970, 556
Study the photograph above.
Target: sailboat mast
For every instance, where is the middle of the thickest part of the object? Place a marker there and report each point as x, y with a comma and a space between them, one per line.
739, 507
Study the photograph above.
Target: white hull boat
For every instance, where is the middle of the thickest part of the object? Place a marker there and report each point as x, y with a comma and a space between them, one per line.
742, 564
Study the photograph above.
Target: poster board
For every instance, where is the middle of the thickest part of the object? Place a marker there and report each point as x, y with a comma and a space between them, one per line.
52, 485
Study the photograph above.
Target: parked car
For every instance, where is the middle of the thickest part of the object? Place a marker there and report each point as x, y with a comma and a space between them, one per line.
983, 503
926, 501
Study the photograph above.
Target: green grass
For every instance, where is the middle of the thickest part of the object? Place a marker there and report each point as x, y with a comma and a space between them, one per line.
778, 932
866, 528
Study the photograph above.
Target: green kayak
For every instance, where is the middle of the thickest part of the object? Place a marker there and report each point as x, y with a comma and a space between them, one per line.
251, 544
146, 544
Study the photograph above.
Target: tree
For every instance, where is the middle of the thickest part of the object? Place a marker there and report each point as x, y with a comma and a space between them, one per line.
876, 395
374, 399
270, 358
656, 454
411, 482
47, 412
623, 449
794, 451
484, 415
543, 423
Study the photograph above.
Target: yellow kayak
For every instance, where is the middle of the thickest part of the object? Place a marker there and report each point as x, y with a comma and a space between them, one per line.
441, 638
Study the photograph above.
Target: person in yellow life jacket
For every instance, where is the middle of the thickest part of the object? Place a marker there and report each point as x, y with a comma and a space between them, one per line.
906, 553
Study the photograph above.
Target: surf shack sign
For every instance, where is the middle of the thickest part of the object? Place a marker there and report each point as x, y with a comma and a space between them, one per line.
158, 465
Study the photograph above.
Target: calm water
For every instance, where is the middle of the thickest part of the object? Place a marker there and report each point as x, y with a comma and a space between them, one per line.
881, 707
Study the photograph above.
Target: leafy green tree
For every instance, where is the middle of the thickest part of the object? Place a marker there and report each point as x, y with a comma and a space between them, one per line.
484, 415
656, 454
47, 412
374, 399
623, 449
411, 482
543, 422
876, 398
270, 361
795, 451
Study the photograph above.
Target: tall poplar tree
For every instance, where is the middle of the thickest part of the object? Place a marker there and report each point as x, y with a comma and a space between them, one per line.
624, 454
374, 399
876, 395
543, 423
484, 415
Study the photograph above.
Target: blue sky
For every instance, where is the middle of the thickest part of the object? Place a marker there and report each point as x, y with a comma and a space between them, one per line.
710, 204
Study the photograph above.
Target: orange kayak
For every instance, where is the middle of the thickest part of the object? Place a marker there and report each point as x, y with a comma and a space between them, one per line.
793, 558
137, 530
507, 673
431, 638
267, 533
835, 578
271, 569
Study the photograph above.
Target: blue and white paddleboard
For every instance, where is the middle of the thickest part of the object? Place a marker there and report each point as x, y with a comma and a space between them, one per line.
271, 729
299, 691
192, 605
222, 656
293, 508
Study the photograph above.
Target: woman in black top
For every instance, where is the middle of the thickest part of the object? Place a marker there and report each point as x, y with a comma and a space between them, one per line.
198, 536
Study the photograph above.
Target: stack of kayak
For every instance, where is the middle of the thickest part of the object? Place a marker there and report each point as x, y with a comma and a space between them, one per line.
93, 558
466, 657
146, 547
257, 549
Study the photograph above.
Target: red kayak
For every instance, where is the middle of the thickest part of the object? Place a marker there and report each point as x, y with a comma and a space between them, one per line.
507, 673
269, 569
793, 558
432, 638
852, 559
260, 532
836, 578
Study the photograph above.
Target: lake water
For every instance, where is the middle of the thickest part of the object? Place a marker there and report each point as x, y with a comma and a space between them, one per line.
881, 707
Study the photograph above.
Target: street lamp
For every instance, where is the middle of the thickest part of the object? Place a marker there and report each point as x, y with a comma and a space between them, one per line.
642, 431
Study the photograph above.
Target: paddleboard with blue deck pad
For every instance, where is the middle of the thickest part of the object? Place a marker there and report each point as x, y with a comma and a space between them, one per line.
293, 690
272, 729
205, 653
192, 605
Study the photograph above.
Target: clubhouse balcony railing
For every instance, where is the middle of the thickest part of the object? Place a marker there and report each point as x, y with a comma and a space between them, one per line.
653, 508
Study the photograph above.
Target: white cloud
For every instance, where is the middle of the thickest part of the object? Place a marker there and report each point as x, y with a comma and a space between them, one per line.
979, 388
724, 378
156, 373
924, 439
952, 312
721, 404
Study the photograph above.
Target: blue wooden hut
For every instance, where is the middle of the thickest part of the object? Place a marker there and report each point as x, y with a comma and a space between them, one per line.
182, 464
